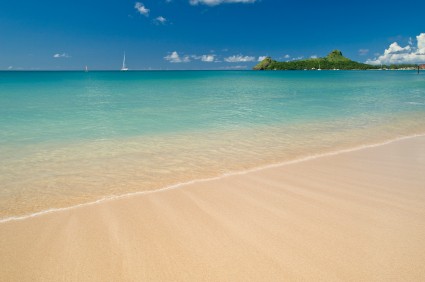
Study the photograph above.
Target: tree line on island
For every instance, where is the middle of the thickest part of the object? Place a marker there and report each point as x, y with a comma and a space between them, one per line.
334, 61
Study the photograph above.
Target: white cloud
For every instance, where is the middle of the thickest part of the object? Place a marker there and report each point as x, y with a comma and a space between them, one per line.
297, 58
208, 58
421, 42
363, 52
239, 58
395, 54
10, 67
141, 9
314, 57
261, 58
63, 55
286, 56
205, 58
174, 57
161, 20
218, 2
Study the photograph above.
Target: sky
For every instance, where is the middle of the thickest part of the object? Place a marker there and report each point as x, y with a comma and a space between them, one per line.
205, 34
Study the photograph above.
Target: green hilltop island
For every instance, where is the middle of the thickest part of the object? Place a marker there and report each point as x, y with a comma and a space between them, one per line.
334, 61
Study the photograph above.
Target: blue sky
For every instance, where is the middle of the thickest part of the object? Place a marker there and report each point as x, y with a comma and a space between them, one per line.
204, 34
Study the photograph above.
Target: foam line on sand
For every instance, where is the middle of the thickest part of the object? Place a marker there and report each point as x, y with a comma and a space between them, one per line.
180, 185
357, 216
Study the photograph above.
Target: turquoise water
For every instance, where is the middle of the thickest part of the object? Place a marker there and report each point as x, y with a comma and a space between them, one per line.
73, 137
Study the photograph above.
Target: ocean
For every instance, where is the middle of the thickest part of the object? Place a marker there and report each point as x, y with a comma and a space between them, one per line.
72, 138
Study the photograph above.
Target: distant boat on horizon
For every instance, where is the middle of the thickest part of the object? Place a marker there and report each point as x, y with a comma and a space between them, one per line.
124, 68
86, 69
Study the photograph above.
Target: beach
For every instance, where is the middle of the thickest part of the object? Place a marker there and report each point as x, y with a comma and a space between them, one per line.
211, 140
350, 216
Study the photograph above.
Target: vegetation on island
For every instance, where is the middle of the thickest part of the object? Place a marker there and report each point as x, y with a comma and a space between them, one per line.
333, 61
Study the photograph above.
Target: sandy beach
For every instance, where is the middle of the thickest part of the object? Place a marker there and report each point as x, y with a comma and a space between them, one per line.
354, 216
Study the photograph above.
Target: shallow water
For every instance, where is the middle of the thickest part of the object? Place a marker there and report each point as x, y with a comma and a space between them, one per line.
68, 138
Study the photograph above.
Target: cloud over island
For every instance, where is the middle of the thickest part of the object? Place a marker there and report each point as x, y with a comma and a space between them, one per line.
396, 54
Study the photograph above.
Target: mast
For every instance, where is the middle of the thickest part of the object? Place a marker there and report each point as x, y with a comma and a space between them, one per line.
124, 68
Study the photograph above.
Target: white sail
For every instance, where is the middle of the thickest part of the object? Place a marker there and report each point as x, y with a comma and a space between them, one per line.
124, 68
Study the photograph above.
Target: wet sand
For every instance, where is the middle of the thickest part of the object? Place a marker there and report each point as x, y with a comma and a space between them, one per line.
356, 216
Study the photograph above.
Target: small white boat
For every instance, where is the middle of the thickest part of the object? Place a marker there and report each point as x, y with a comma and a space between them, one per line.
124, 68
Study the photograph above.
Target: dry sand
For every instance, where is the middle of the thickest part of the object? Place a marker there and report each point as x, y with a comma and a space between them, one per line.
357, 216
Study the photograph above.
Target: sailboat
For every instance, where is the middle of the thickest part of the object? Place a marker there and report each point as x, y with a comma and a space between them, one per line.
124, 68
319, 69
86, 69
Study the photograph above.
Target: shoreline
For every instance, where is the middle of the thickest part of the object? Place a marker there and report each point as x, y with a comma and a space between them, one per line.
112, 136
195, 181
354, 216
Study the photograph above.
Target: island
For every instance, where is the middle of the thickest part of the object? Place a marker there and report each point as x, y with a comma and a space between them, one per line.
333, 61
